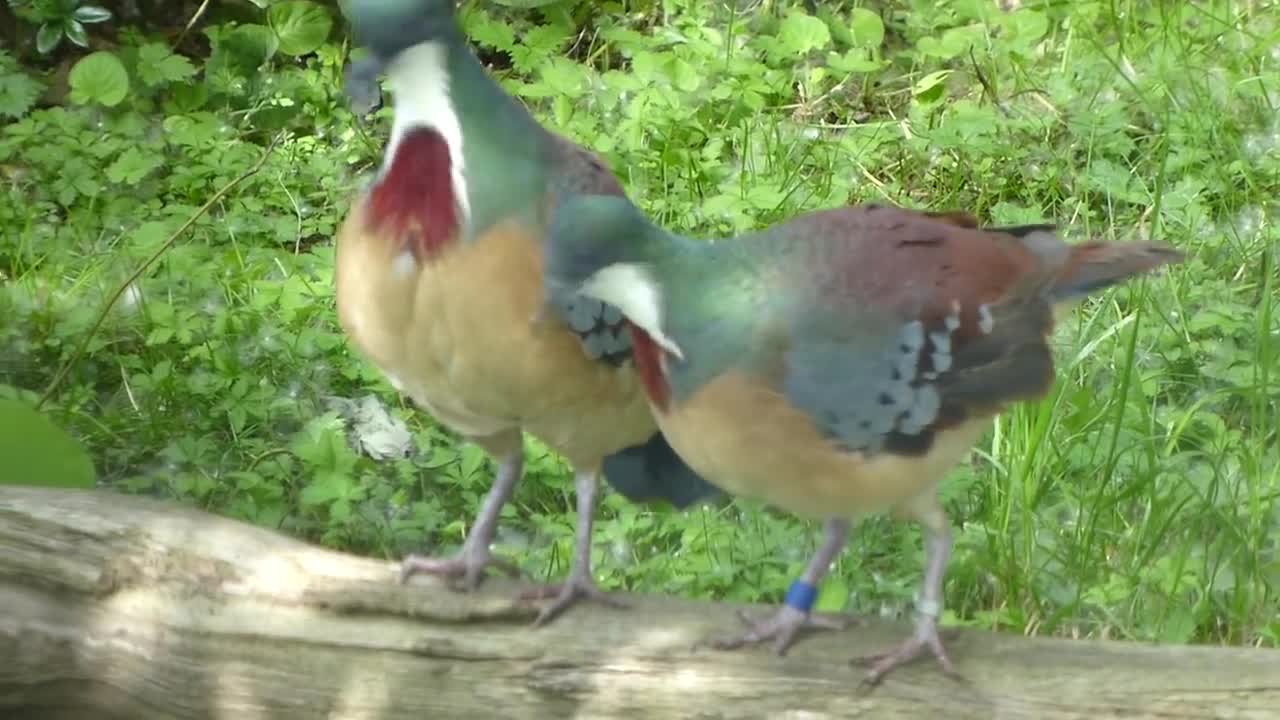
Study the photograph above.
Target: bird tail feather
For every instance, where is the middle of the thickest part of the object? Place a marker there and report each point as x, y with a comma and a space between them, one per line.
1096, 265
653, 471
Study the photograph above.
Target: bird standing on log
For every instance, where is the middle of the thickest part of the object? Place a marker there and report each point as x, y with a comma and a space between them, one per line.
836, 364
439, 273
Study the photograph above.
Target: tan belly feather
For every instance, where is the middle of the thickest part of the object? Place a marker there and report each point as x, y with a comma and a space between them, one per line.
747, 439
457, 336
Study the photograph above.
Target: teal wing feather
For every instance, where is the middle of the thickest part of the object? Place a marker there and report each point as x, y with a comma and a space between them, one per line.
598, 325
894, 324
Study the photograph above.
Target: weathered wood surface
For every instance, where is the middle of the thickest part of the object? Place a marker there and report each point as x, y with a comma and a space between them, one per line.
122, 607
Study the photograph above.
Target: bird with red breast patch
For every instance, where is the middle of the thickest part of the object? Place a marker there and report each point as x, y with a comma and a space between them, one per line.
439, 280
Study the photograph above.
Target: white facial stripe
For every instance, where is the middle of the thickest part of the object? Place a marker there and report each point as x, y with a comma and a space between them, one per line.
420, 80
632, 290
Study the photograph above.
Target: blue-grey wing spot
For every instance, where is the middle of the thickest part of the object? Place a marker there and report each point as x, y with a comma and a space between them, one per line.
912, 336
941, 342
941, 356
867, 393
598, 326
595, 344
617, 341
612, 315
582, 314
924, 410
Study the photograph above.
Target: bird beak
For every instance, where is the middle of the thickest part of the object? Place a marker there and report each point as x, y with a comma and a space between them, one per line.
360, 82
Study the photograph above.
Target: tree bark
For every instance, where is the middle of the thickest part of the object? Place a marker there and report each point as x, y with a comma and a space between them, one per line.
125, 607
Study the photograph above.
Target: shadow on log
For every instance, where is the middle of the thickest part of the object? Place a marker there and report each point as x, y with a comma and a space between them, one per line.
124, 607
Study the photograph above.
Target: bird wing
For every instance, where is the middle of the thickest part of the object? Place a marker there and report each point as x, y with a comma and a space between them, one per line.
911, 323
598, 325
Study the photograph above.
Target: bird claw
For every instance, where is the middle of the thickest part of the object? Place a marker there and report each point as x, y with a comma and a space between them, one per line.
925, 636
566, 594
781, 627
464, 571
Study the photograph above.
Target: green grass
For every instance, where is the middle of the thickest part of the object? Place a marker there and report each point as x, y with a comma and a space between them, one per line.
1140, 500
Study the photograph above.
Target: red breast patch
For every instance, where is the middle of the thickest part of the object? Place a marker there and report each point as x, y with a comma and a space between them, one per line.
415, 198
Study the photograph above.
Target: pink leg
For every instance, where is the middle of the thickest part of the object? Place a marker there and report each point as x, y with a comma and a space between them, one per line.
783, 625
467, 567
580, 583
928, 608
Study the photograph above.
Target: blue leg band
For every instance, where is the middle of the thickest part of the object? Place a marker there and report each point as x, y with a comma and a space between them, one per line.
801, 596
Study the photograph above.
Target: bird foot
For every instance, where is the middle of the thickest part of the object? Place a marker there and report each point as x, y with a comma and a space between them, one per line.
925, 636
566, 594
464, 571
781, 628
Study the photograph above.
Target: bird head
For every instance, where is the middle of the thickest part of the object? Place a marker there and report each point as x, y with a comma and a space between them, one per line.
603, 247
387, 27
589, 233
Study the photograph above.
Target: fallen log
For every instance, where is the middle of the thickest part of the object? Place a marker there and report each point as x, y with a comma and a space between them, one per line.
114, 606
